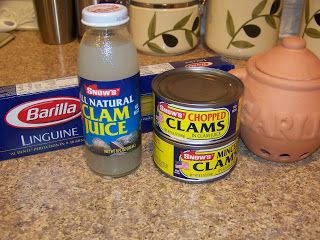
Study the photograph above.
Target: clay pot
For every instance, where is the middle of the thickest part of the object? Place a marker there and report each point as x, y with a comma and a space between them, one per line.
280, 118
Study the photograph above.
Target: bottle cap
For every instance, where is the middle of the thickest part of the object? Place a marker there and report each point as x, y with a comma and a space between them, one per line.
104, 15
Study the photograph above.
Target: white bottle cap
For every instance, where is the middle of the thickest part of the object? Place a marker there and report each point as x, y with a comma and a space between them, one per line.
104, 15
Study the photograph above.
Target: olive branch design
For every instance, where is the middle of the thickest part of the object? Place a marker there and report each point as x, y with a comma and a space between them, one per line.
311, 32
168, 38
253, 30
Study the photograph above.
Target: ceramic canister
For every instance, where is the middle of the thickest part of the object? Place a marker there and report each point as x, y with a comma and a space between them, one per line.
194, 163
242, 28
280, 118
197, 105
310, 25
165, 27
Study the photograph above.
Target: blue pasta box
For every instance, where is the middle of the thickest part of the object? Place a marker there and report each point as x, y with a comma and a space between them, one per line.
39, 117
45, 116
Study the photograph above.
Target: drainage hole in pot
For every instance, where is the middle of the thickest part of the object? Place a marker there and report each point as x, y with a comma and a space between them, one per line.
284, 156
304, 155
265, 152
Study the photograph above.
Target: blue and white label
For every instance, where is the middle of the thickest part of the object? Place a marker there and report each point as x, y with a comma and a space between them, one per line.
111, 115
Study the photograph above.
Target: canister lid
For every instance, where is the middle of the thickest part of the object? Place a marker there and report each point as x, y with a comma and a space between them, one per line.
200, 87
105, 15
290, 60
164, 3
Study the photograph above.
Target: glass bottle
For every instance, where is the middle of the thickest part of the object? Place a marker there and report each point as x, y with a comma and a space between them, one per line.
108, 74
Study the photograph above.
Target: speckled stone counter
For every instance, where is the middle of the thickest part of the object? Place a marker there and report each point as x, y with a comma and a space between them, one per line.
55, 196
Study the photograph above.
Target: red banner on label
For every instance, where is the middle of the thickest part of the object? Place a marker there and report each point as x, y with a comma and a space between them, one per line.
93, 90
165, 108
193, 156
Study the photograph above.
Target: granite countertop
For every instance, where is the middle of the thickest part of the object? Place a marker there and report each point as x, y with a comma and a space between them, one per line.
55, 196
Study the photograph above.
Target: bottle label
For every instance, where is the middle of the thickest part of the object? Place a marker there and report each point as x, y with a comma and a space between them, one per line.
111, 115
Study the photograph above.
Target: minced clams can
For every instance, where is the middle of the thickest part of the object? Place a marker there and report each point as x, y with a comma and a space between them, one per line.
196, 122
194, 163
197, 105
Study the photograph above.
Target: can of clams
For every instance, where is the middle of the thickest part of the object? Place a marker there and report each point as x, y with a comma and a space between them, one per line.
196, 121
197, 105
194, 163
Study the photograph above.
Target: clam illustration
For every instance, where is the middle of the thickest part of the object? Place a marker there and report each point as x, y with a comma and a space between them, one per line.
99, 146
125, 140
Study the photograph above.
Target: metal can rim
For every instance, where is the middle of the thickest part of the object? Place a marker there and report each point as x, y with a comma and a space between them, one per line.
214, 72
212, 145
198, 142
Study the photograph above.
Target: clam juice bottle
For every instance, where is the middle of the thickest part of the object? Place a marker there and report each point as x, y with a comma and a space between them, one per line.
108, 73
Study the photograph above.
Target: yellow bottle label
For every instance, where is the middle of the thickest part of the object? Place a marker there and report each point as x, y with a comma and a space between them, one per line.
194, 165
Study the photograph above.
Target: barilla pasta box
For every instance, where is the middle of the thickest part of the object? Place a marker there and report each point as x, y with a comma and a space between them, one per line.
45, 116
39, 117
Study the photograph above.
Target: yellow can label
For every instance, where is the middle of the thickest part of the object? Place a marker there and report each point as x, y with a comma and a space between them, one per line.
202, 125
194, 165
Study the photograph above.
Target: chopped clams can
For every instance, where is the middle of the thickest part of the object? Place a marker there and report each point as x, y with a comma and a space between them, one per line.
194, 163
196, 123
197, 105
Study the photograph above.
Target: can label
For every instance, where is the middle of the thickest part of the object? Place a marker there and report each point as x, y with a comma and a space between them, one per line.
111, 115
201, 125
194, 165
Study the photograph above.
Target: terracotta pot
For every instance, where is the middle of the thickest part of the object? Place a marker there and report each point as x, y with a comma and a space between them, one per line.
281, 107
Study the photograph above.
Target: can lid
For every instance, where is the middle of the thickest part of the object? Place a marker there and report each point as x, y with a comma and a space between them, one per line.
197, 87
104, 15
